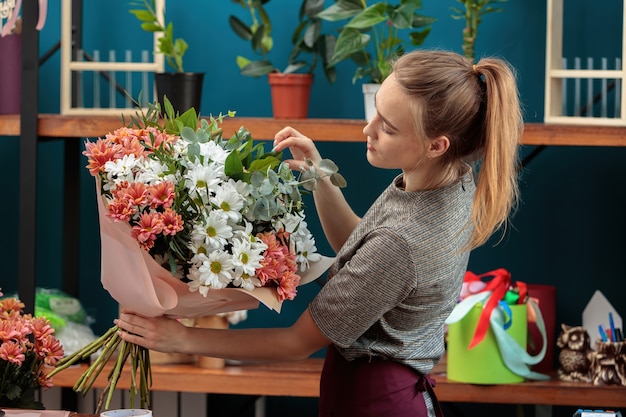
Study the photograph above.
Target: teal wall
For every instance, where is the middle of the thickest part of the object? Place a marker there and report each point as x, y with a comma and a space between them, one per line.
570, 228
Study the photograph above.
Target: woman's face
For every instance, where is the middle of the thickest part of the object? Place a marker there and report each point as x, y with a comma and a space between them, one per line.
391, 139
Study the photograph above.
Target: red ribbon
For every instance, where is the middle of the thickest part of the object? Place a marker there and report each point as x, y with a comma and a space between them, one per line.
499, 285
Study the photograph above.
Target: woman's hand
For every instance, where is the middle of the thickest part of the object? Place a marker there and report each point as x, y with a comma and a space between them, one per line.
300, 146
156, 333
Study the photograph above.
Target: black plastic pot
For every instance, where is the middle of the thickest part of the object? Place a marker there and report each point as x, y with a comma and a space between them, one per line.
182, 89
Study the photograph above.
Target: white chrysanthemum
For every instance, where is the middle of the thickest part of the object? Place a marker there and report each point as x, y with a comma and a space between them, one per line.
242, 230
229, 202
306, 251
199, 249
214, 152
151, 172
213, 231
242, 187
247, 257
289, 222
178, 149
121, 169
217, 270
246, 282
194, 282
199, 179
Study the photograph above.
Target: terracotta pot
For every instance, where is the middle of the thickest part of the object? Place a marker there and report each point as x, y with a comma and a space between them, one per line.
290, 95
211, 322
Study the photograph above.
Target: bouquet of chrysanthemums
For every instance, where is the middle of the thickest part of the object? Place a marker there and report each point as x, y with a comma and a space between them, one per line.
193, 223
27, 346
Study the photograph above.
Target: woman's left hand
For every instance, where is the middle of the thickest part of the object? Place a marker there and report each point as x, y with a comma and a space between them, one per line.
162, 334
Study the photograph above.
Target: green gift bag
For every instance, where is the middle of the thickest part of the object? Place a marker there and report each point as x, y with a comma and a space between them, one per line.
501, 356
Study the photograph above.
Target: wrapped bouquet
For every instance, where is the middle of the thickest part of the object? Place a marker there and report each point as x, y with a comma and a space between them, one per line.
193, 223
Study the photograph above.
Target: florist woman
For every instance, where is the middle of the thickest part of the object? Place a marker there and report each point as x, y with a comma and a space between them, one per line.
399, 268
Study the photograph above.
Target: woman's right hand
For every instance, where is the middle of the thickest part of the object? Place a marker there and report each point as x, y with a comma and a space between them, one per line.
300, 146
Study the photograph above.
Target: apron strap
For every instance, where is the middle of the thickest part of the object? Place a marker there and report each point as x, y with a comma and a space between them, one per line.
426, 383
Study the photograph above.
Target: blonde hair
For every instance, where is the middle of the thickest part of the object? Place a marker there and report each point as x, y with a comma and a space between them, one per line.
477, 108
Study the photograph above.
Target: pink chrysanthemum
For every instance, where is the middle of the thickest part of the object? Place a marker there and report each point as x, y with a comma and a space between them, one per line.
288, 286
12, 352
120, 210
147, 229
154, 137
172, 222
136, 193
277, 261
99, 153
161, 194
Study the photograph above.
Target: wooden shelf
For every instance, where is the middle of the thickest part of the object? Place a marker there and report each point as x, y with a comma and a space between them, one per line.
301, 379
337, 130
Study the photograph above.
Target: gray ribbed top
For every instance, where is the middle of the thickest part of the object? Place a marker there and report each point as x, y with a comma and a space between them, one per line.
399, 275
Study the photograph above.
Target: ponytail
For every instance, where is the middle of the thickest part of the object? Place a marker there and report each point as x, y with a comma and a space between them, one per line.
477, 108
497, 191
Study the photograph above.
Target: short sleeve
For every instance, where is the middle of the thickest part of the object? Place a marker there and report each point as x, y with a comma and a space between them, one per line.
377, 276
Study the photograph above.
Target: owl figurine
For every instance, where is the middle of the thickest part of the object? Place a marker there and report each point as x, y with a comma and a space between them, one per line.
575, 354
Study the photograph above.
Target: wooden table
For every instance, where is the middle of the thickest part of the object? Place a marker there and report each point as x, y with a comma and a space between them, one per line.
301, 379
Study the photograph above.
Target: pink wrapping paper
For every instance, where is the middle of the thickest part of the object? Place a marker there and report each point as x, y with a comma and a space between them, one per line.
137, 282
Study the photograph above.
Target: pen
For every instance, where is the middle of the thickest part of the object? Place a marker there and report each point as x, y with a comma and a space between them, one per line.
612, 325
602, 334
618, 335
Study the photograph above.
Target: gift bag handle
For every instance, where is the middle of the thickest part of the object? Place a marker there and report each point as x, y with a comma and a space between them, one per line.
516, 358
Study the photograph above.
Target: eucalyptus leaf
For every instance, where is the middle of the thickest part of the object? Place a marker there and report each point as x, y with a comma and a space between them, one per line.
328, 166
338, 180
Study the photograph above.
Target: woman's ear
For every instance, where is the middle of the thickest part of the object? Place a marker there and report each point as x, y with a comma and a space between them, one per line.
438, 146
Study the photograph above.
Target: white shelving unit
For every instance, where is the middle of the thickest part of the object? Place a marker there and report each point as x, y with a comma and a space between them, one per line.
152, 63
558, 97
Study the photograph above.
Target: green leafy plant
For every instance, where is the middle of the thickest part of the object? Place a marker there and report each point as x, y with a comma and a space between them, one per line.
371, 37
172, 49
473, 12
307, 39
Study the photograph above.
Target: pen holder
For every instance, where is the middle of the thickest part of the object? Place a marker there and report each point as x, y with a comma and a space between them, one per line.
608, 363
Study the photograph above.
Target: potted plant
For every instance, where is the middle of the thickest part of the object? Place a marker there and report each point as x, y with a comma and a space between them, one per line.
371, 37
297, 77
473, 13
183, 89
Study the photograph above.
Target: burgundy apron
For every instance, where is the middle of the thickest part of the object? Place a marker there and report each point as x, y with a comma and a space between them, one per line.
372, 388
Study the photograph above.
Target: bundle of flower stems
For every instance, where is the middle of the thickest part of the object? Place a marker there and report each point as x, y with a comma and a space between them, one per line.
108, 344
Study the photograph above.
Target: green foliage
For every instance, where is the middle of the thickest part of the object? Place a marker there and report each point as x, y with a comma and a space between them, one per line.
371, 37
172, 49
473, 13
307, 39
248, 161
